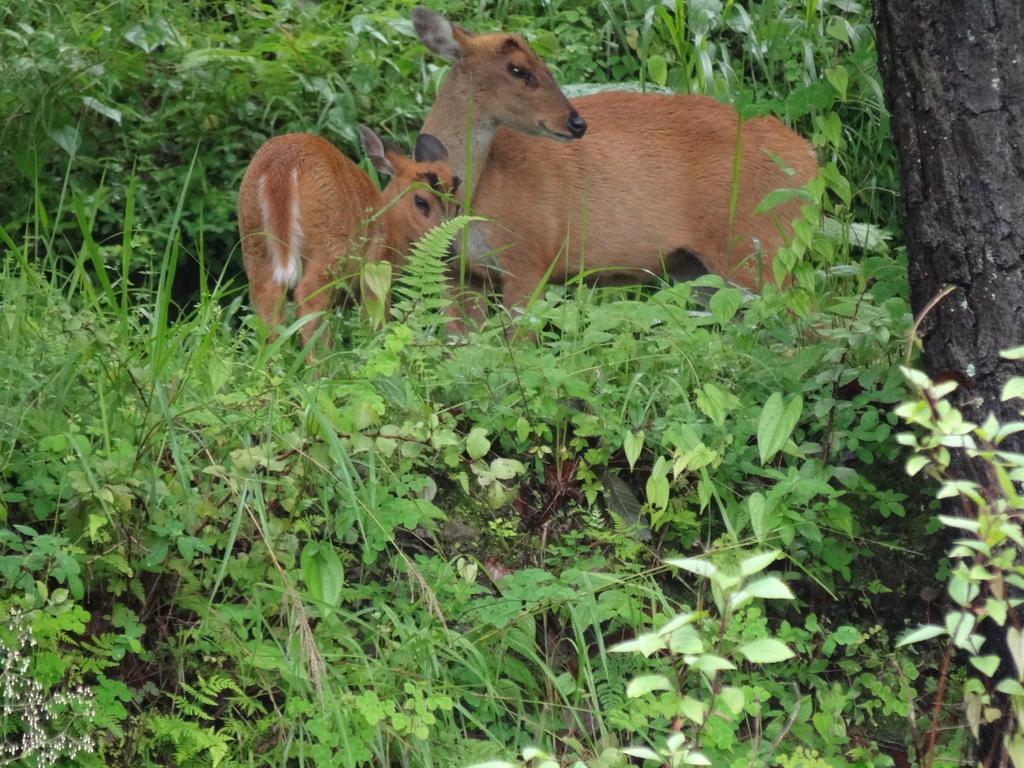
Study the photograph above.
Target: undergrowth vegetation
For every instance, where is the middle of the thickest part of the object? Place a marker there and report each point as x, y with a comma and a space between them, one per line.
666, 524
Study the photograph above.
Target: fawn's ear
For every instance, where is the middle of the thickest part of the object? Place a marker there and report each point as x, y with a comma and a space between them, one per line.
377, 150
429, 149
438, 34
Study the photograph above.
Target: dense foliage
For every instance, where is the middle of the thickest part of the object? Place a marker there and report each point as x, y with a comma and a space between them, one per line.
433, 553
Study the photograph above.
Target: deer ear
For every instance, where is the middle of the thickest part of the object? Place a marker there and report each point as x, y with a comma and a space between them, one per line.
429, 149
376, 150
437, 33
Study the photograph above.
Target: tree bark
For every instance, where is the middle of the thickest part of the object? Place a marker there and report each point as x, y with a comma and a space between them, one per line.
953, 72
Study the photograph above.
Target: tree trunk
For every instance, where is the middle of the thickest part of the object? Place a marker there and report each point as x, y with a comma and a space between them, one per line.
953, 72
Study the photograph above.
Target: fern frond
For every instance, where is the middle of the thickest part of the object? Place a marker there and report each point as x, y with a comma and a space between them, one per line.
421, 289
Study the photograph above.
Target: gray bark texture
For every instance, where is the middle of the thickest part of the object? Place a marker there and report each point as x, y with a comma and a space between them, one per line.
953, 72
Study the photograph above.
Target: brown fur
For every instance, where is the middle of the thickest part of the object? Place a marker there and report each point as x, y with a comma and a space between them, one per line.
344, 220
653, 175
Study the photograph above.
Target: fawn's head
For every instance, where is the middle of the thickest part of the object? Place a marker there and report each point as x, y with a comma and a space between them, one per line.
419, 195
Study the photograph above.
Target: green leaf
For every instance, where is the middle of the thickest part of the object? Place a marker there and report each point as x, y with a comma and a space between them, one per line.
769, 588
757, 563
1015, 644
694, 565
1010, 687
724, 304
657, 484
692, 709
715, 403
919, 635
1017, 353
987, 665
632, 444
766, 651
67, 138
1013, 388
732, 698
657, 68
960, 522
776, 424
100, 108
758, 515
646, 644
710, 664
778, 197
644, 753
506, 469
839, 78
916, 463
477, 444
322, 572
641, 686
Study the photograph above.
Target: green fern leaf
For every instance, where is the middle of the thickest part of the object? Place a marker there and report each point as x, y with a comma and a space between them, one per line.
421, 288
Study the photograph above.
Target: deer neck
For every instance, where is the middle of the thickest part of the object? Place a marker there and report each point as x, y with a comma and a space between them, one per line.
455, 120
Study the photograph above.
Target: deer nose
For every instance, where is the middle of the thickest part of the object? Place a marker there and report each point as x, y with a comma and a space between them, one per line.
577, 125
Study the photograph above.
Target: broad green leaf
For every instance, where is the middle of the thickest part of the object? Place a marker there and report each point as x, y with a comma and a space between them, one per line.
1013, 388
1015, 644
715, 403
776, 424
779, 197
839, 78
997, 610
766, 651
692, 709
685, 640
732, 698
644, 753
657, 484
1017, 353
657, 68
322, 572
646, 644
632, 444
710, 664
641, 686
757, 563
477, 444
758, 514
959, 522
724, 304
67, 138
506, 469
1010, 687
987, 665
100, 108
694, 565
926, 632
769, 588
916, 463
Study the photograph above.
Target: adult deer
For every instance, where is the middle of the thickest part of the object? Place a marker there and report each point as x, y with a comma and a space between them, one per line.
657, 176
309, 217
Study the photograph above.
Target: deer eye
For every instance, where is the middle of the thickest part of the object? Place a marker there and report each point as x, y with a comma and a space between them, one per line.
518, 72
422, 204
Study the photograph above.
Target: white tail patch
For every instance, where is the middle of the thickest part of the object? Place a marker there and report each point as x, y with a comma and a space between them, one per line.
285, 248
